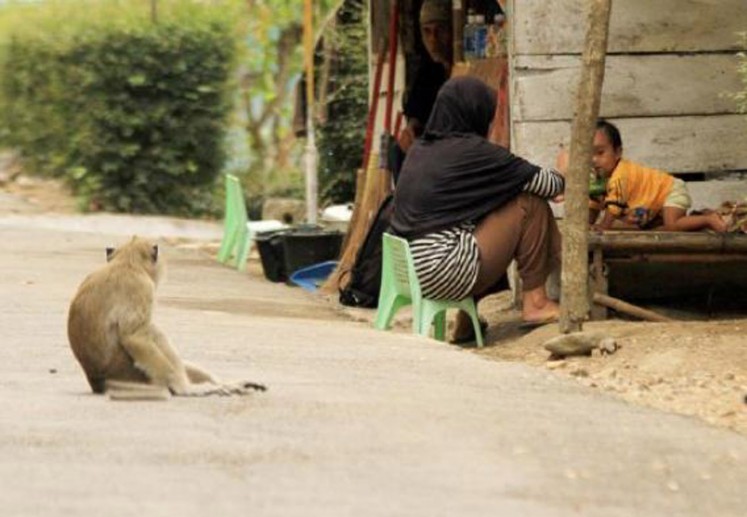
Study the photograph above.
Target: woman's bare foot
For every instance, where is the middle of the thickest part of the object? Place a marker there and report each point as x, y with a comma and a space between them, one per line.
536, 306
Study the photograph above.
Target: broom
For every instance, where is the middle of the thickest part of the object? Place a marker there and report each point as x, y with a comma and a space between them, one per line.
372, 184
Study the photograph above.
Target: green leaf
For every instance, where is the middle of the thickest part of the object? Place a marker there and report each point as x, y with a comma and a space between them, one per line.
137, 80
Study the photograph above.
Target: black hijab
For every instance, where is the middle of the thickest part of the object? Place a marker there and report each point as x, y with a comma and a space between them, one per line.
453, 174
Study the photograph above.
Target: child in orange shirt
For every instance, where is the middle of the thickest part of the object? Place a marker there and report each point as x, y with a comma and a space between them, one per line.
638, 195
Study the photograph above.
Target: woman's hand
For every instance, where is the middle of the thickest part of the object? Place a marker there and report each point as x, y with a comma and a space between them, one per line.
561, 160
406, 138
561, 166
408, 135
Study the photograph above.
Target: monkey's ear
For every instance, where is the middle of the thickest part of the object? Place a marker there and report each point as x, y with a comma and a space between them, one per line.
109, 253
154, 253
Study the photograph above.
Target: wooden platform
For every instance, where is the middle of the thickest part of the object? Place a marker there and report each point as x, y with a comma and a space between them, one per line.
661, 262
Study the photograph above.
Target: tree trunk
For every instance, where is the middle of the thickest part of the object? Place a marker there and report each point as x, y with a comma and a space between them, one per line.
574, 279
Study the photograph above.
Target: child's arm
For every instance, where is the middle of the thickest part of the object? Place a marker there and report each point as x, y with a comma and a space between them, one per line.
613, 222
606, 222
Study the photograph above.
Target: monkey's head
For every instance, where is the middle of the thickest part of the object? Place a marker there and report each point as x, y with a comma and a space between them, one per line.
138, 253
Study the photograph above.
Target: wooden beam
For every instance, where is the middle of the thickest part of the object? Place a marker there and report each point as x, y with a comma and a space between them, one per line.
546, 27
634, 86
668, 242
676, 258
629, 308
674, 144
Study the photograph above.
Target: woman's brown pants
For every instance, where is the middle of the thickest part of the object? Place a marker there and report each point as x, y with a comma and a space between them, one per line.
523, 229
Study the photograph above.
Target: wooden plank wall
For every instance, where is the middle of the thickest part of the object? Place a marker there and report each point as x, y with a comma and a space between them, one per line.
669, 65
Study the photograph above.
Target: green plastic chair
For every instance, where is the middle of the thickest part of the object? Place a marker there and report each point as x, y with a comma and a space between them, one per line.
235, 242
238, 231
400, 287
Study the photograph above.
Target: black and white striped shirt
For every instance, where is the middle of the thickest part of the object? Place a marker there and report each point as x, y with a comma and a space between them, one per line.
447, 261
547, 183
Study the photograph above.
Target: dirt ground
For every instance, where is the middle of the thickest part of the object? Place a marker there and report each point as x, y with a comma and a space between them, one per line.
693, 366
696, 368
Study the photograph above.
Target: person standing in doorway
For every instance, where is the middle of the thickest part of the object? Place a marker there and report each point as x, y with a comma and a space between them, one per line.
434, 70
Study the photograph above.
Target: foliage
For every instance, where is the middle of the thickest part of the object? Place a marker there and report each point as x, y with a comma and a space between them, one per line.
262, 148
342, 132
132, 113
270, 70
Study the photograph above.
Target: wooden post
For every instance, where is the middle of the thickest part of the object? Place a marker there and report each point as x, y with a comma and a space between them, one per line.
575, 269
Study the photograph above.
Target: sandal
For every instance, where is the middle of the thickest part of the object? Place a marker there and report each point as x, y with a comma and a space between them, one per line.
469, 336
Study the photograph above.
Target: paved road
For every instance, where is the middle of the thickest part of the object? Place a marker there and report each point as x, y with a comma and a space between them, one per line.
356, 422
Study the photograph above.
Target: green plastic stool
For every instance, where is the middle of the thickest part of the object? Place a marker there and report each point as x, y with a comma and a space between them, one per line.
235, 242
400, 287
238, 231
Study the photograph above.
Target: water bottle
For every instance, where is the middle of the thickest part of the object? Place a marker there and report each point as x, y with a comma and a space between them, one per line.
494, 47
481, 36
469, 37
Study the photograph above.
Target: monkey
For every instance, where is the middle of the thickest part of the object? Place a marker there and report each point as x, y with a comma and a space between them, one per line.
112, 335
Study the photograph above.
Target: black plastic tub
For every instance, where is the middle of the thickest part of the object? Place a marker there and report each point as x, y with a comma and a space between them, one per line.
307, 245
271, 254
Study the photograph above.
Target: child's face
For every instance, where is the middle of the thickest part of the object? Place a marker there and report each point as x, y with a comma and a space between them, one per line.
605, 156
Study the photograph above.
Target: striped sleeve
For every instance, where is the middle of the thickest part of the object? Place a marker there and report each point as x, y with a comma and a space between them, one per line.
547, 183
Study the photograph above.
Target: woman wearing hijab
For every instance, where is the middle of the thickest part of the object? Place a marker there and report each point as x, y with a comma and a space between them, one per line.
468, 207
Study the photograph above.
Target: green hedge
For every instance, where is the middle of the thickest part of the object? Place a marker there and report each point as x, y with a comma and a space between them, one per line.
134, 117
341, 138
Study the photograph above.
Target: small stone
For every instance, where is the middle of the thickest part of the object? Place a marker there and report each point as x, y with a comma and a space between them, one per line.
611, 373
573, 344
53, 370
673, 485
729, 376
579, 372
554, 365
608, 346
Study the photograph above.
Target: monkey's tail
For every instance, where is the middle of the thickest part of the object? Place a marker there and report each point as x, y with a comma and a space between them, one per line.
123, 390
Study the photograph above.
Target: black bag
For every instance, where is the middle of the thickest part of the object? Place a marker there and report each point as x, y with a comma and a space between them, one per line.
365, 276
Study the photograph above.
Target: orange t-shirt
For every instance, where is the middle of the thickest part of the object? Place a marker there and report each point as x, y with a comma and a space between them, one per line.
637, 193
